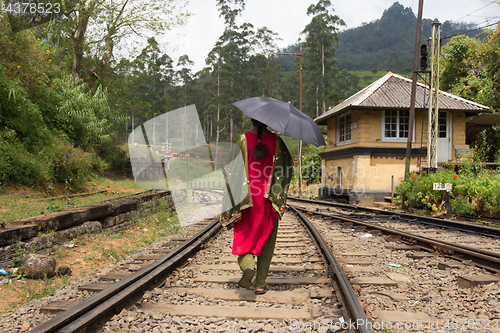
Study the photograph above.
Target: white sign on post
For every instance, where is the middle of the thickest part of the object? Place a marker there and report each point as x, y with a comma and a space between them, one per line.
442, 187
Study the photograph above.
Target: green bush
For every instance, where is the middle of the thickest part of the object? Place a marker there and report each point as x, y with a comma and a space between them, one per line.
473, 191
73, 166
116, 159
17, 165
311, 166
463, 206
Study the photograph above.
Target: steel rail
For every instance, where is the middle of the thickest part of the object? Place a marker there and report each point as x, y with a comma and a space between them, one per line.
462, 226
493, 262
337, 272
111, 300
465, 247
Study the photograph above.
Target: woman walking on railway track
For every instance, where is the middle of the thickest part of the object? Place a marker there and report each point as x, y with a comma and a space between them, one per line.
269, 169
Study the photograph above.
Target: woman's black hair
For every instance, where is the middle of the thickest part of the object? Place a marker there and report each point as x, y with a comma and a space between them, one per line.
260, 151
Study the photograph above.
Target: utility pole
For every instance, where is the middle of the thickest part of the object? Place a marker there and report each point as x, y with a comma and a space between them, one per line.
413, 88
300, 108
434, 98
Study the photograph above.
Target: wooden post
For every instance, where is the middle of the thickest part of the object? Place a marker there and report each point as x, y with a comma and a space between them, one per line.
392, 188
413, 89
448, 205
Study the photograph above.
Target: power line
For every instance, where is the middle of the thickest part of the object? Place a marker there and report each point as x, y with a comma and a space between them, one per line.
476, 10
466, 31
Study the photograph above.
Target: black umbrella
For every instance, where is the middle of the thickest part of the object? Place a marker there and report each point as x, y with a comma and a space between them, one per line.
282, 117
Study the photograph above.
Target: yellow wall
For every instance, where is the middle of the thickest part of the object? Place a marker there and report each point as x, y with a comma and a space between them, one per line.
362, 173
458, 135
365, 173
331, 132
368, 132
332, 174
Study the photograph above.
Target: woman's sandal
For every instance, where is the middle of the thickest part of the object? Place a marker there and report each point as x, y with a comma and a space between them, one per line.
246, 279
263, 291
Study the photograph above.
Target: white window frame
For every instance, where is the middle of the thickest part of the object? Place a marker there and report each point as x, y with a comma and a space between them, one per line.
396, 139
345, 142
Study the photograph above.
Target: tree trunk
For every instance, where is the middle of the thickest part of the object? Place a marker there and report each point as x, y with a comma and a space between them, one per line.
78, 44
323, 78
232, 131
218, 114
133, 127
317, 100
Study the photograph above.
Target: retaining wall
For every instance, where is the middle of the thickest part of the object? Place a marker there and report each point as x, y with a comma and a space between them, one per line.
72, 222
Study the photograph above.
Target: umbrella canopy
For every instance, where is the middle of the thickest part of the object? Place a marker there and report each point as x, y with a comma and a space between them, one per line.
282, 117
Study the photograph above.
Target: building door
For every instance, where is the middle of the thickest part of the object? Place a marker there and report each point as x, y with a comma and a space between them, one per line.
444, 137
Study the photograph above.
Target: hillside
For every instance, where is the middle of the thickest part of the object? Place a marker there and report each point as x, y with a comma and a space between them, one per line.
387, 43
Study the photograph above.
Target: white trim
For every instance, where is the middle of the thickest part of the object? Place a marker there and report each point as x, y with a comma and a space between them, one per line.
448, 138
384, 139
345, 142
451, 153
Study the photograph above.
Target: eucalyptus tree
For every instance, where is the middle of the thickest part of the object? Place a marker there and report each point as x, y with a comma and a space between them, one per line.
319, 63
225, 76
267, 67
230, 13
185, 75
142, 87
96, 27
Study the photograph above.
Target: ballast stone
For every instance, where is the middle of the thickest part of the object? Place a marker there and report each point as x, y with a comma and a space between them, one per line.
38, 266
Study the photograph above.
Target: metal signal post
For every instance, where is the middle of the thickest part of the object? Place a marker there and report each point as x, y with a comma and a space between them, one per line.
433, 98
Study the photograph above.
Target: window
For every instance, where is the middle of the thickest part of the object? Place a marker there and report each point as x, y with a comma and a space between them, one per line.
396, 124
344, 129
442, 124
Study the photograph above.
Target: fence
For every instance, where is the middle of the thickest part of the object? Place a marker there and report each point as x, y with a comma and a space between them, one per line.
206, 185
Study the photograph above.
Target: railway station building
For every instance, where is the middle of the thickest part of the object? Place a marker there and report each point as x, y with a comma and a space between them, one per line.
367, 137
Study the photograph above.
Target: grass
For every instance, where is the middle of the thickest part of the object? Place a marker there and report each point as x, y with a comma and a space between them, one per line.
367, 77
40, 288
90, 252
15, 206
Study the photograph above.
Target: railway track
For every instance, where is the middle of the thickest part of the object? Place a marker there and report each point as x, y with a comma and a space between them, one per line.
462, 241
190, 290
189, 284
402, 268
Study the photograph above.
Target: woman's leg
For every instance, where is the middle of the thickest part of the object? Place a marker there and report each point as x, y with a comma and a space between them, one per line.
247, 265
264, 261
246, 261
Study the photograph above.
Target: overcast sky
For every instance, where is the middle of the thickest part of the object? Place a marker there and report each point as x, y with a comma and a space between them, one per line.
288, 18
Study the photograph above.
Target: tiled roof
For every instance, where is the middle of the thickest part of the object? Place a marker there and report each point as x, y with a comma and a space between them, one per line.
393, 91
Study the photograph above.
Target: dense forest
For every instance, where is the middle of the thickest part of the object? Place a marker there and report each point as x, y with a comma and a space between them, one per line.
67, 104
388, 43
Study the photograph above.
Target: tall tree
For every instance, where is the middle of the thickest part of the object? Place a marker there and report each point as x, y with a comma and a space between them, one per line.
185, 76
319, 64
97, 26
230, 13
471, 69
227, 64
267, 68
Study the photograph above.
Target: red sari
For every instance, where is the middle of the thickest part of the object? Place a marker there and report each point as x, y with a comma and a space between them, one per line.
257, 222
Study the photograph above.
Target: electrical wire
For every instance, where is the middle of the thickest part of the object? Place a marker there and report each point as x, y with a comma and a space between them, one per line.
476, 10
466, 31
